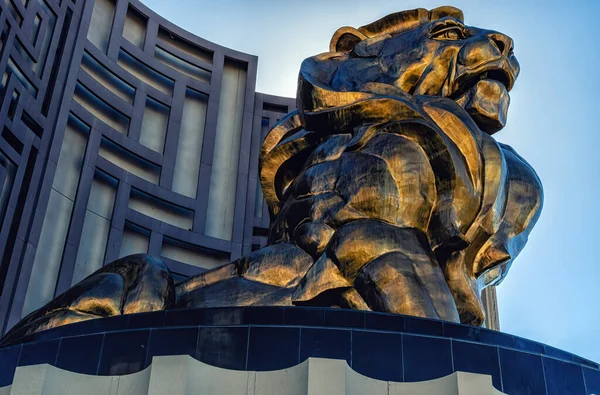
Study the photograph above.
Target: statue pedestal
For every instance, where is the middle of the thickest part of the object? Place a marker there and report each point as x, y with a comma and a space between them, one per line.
383, 347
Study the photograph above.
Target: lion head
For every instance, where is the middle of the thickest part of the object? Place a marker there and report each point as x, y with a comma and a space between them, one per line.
394, 125
424, 52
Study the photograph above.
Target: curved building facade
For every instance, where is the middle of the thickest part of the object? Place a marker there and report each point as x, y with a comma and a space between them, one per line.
122, 134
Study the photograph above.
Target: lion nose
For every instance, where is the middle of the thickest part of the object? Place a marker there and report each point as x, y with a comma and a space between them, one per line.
502, 42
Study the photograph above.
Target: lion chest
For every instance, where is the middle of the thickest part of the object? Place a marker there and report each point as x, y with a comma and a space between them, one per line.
388, 178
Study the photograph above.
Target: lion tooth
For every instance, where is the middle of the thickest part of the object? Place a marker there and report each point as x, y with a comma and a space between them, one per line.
484, 76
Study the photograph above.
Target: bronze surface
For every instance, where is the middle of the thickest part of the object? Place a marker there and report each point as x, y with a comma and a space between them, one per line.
385, 188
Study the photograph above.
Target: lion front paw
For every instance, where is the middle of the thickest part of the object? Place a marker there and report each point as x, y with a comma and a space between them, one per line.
133, 284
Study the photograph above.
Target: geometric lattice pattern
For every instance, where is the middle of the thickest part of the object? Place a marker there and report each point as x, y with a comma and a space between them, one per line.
121, 133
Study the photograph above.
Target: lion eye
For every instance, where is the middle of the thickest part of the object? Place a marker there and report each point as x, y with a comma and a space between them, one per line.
451, 33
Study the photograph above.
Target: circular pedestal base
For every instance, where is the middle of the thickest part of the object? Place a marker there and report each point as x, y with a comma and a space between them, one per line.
381, 346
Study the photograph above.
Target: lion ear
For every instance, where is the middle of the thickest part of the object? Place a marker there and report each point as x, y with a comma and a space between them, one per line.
444, 11
345, 39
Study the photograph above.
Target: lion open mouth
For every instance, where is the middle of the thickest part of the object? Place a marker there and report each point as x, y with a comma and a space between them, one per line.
484, 96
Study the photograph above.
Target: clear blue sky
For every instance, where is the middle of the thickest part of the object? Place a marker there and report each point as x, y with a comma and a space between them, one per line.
552, 292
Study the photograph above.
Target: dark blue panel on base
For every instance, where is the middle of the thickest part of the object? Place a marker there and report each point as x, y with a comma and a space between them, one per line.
303, 316
495, 338
325, 343
423, 326
192, 317
528, 345
123, 352
80, 353
172, 341
8, 363
344, 318
385, 322
377, 355
464, 332
110, 324
477, 358
592, 380
426, 358
264, 315
155, 319
522, 373
585, 362
558, 353
273, 348
224, 347
563, 378
39, 352
220, 316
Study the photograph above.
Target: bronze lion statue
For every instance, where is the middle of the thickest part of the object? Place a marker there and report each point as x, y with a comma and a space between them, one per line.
385, 188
